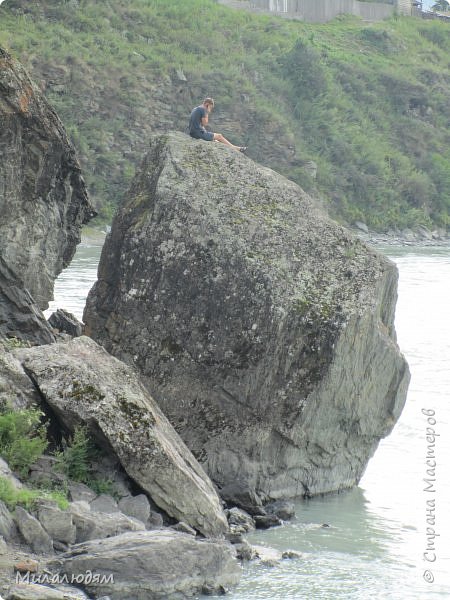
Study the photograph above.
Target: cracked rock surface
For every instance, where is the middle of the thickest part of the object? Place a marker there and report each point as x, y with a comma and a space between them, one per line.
84, 385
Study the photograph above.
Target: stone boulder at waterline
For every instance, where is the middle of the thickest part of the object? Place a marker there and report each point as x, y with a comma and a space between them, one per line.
82, 384
43, 200
264, 329
152, 565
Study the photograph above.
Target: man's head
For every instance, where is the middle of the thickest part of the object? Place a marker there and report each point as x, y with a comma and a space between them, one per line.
208, 103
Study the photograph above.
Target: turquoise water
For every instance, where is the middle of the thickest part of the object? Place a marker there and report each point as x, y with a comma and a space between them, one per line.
74, 283
377, 539
375, 544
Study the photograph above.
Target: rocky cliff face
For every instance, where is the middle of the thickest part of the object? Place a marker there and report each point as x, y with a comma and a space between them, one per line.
19, 316
43, 200
265, 330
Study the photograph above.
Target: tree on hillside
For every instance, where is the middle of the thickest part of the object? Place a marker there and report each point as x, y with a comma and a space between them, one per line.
441, 6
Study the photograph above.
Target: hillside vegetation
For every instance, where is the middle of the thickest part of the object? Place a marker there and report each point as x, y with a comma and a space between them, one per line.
368, 103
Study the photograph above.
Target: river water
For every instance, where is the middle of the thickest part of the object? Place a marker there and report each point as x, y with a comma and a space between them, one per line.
377, 545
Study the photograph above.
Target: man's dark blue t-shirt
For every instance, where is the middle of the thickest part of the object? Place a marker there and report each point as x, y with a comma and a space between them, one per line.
195, 123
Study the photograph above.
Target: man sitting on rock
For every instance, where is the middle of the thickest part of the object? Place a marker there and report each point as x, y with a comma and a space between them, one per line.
198, 120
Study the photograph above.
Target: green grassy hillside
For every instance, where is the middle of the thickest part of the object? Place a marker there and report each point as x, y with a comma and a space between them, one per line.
368, 103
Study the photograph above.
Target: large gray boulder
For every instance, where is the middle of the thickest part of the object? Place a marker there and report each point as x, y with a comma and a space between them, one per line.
152, 565
66, 322
43, 200
84, 385
265, 330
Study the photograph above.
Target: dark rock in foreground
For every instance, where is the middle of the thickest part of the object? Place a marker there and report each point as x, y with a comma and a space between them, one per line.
283, 510
152, 565
84, 385
43, 200
267, 521
265, 330
240, 494
66, 322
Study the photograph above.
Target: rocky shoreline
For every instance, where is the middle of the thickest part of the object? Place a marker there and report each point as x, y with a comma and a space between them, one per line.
421, 237
126, 543
424, 238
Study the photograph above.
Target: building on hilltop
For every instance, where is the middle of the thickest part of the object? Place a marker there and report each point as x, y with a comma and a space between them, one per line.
321, 11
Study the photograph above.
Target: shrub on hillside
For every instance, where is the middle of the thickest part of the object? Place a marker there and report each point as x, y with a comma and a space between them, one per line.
76, 461
26, 497
23, 437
